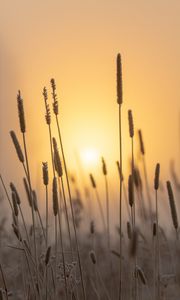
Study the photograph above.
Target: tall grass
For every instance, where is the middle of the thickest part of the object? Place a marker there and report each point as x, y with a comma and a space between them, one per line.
71, 253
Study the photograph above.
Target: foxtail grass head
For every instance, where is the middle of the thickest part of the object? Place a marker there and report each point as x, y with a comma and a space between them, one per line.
172, 205
15, 206
119, 79
93, 257
54, 96
17, 146
93, 183
130, 191
131, 123
45, 173
57, 160
141, 143
21, 112
156, 178
104, 168
48, 113
120, 171
55, 196
13, 189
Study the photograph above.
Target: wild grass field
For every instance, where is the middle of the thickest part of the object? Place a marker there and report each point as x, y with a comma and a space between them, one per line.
69, 250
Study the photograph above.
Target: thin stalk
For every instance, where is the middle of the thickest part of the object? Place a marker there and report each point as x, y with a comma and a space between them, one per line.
67, 217
24, 224
107, 212
47, 214
62, 247
102, 283
41, 223
4, 282
55, 275
147, 187
126, 200
134, 212
108, 232
72, 212
50, 138
4, 186
157, 246
132, 172
100, 208
32, 204
46, 283
120, 207
154, 266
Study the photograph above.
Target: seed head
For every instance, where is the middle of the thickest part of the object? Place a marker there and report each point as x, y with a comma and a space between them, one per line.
48, 113
130, 191
104, 168
13, 189
17, 146
131, 124
54, 95
119, 80
21, 113
55, 197
154, 229
172, 205
92, 181
120, 171
14, 200
28, 194
129, 230
156, 178
141, 143
57, 160
93, 257
48, 254
45, 173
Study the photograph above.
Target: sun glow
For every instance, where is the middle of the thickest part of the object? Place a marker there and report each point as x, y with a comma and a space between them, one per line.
90, 156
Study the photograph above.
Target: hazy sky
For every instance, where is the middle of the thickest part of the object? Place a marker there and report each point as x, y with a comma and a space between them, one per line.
76, 42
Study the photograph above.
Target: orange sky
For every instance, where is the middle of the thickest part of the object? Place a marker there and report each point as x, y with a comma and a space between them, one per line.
76, 42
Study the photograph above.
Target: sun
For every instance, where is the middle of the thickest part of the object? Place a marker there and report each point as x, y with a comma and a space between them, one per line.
90, 156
